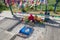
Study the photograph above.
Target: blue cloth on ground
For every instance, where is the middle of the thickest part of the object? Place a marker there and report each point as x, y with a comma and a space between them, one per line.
26, 30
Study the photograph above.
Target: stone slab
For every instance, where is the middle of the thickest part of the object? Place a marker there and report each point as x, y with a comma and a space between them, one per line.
7, 23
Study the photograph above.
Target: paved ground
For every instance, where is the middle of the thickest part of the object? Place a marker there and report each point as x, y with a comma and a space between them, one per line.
53, 31
38, 33
6, 14
7, 33
50, 31
2, 18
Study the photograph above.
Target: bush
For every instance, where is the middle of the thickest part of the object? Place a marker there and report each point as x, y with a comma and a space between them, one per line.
3, 7
50, 8
23, 10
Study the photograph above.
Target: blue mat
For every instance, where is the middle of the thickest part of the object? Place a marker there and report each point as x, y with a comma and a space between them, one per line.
26, 30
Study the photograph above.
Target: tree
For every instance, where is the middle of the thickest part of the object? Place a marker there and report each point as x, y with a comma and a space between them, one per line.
57, 1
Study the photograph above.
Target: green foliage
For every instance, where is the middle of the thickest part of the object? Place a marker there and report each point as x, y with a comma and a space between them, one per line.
58, 9
3, 7
51, 4
50, 8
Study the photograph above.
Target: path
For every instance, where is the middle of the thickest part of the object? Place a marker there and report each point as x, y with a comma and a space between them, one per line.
53, 31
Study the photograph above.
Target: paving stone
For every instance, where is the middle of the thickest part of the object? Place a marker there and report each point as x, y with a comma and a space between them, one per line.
17, 28
1, 30
8, 23
5, 36
1, 18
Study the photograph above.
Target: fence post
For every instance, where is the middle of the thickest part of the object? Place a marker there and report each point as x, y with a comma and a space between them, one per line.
10, 7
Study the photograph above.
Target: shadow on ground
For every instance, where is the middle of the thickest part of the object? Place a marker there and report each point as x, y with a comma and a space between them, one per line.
53, 23
41, 25
19, 35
